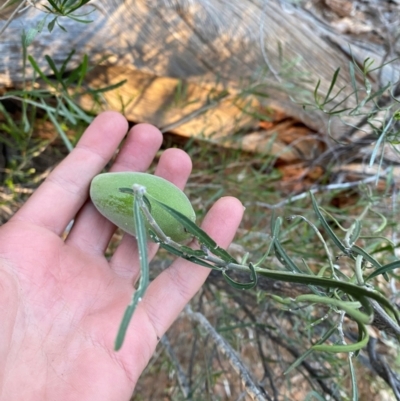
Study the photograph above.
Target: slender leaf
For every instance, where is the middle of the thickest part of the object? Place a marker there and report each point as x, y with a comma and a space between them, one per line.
141, 239
40, 72
193, 252
80, 113
276, 223
379, 92
64, 65
108, 88
326, 226
384, 269
60, 131
338, 112
196, 231
355, 233
284, 257
61, 106
316, 93
83, 68
51, 24
382, 225
242, 286
333, 82
82, 3
55, 6
266, 254
353, 80
54, 68
185, 256
359, 251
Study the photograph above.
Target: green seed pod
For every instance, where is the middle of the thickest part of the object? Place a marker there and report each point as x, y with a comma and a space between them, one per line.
117, 205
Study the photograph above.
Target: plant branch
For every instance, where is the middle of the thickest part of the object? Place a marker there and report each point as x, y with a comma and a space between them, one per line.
251, 387
182, 379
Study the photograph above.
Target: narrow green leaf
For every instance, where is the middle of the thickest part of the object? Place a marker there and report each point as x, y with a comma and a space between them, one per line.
332, 217
382, 225
196, 231
141, 239
51, 24
276, 223
356, 230
236, 284
64, 65
108, 88
326, 226
171, 249
359, 251
380, 141
83, 68
48, 9
55, 6
54, 68
190, 258
266, 254
379, 92
80, 113
60, 131
64, 110
201, 262
384, 269
259, 94
242, 286
333, 82
71, 10
353, 81
73, 76
330, 100
193, 252
40, 72
284, 257
60, 26
80, 20
341, 101
316, 93
338, 112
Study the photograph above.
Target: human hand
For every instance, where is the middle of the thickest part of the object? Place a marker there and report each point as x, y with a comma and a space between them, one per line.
61, 301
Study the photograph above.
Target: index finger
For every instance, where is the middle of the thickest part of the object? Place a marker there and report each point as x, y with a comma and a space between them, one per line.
54, 204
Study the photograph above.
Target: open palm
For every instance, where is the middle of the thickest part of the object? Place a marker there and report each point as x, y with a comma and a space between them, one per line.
61, 300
